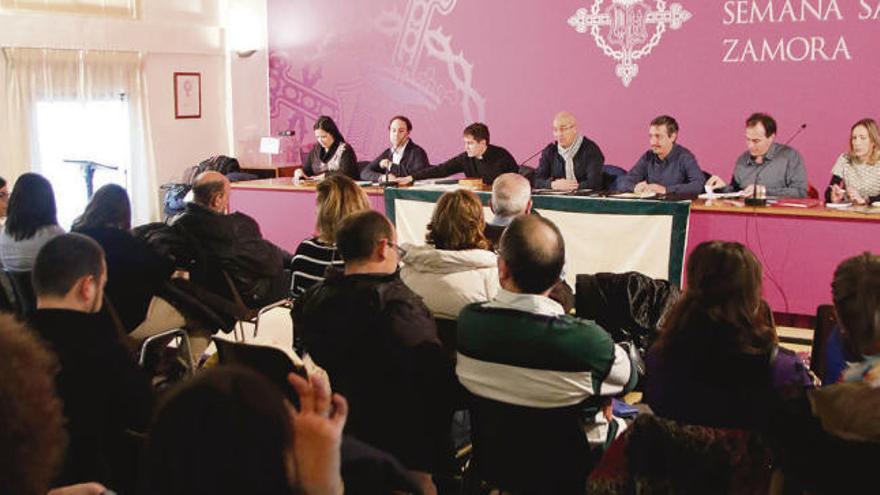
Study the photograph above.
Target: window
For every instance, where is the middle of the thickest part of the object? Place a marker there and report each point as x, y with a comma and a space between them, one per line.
97, 131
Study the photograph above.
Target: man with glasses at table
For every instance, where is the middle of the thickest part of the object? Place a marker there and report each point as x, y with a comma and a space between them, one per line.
572, 161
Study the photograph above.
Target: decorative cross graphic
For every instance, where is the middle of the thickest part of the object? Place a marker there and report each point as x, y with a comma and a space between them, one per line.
627, 22
416, 22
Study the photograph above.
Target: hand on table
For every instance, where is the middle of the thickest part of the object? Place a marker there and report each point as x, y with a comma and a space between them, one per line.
564, 185
405, 180
855, 197
750, 191
838, 194
715, 182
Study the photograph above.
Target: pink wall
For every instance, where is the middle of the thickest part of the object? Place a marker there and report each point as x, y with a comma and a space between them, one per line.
514, 64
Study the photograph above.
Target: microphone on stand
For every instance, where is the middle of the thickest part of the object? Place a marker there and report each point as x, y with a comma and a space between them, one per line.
754, 200
527, 160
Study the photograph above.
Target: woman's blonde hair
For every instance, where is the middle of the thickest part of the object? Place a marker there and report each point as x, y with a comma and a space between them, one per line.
873, 135
338, 197
457, 222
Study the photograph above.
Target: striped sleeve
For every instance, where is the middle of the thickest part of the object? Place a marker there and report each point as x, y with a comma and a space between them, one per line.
309, 264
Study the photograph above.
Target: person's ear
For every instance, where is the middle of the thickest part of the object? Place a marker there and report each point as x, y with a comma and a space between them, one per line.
492, 206
86, 288
503, 271
528, 207
381, 250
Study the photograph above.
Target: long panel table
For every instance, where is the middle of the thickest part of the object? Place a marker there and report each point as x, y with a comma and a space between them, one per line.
798, 247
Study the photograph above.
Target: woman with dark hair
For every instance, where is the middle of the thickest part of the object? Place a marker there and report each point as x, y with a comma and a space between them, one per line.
134, 272
717, 362
457, 266
31, 221
229, 430
331, 154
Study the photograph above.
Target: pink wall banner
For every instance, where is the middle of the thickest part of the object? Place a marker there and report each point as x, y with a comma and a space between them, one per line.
615, 64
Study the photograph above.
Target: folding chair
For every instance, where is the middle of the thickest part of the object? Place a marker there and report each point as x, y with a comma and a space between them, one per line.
19, 291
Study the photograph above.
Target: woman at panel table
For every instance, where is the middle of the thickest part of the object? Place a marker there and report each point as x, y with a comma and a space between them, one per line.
855, 176
331, 154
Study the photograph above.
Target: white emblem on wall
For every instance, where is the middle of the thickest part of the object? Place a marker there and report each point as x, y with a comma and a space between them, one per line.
625, 24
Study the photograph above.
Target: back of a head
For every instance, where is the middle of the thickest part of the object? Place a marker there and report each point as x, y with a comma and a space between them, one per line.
338, 196
109, 207
724, 285
32, 436
64, 260
225, 431
457, 222
31, 206
510, 194
534, 252
856, 293
358, 234
208, 185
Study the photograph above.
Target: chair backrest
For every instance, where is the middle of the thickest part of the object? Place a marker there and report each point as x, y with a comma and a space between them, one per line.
19, 291
825, 321
270, 362
662, 456
610, 173
529, 450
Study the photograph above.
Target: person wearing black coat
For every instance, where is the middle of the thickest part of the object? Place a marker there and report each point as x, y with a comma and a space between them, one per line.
379, 345
106, 395
331, 154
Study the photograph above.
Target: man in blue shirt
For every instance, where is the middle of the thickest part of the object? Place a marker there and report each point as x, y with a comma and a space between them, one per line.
667, 168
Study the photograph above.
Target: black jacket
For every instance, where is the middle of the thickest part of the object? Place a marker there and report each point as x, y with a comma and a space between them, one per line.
347, 162
104, 392
496, 161
378, 342
134, 272
234, 244
588, 162
414, 158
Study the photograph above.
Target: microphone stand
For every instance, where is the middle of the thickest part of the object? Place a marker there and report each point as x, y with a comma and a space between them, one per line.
754, 200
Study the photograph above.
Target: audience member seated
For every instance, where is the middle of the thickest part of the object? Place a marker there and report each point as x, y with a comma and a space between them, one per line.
337, 197
229, 430
104, 392
456, 267
772, 168
233, 242
379, 345
855, 176
331, 154
522, 349
830, 436
667, 168
512, 196
403, 158
134, 271
717, 362
479, 160
4, 201
572, 161
31, 222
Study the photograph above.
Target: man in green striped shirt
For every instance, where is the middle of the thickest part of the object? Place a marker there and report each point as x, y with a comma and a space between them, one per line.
522, 349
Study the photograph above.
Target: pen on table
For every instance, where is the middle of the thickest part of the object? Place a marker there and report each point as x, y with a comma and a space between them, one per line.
796, 205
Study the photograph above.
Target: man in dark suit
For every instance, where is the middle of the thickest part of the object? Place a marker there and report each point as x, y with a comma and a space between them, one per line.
572, 161
400, 160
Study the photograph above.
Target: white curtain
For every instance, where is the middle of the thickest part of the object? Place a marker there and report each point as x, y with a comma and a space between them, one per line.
116, 8
44, 75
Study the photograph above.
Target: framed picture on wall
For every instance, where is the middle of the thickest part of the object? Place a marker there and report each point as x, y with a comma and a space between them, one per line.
187, 95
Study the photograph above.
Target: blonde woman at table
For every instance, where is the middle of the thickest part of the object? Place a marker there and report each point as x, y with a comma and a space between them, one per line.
330, 155
855, 176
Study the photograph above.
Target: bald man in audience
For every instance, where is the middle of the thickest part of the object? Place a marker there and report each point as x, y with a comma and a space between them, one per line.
511, 196
233, 242
572, 161
579, 364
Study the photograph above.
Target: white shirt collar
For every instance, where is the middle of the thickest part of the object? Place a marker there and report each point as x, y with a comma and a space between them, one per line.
530, 303
397, 154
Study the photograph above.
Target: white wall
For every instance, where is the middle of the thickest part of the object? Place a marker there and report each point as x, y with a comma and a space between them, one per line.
175, 36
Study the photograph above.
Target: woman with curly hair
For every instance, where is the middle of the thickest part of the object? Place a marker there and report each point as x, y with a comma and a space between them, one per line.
456, 267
